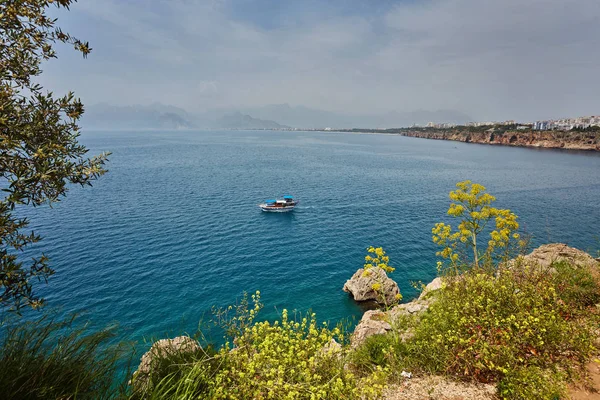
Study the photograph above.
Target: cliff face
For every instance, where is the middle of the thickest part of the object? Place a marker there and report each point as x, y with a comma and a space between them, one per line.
543, 139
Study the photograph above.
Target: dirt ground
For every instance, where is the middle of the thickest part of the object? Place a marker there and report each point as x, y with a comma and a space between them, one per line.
439, 388
591, 390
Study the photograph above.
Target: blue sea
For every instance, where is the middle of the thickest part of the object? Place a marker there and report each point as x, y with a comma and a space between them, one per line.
174, 229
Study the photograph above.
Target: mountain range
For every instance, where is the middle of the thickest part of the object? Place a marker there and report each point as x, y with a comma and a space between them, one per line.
278, 116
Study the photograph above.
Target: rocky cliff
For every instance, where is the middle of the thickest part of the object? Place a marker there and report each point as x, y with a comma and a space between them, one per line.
528, 138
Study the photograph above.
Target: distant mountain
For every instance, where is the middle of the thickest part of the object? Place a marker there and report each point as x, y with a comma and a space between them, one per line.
154, 116
242, 121
276, 116
304, 117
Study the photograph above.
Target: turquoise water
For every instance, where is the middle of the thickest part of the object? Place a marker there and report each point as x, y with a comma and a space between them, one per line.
174, 228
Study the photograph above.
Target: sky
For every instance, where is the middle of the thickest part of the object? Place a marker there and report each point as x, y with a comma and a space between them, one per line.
491, 59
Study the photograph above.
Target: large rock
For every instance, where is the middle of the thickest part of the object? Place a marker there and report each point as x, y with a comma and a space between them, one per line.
180, 346
547, 254
376, 322
362, 282
432, 286
373, 322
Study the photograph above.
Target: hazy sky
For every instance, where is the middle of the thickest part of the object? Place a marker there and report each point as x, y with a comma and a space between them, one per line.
492, 59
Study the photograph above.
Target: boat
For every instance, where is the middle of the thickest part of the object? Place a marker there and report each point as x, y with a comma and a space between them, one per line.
280, 205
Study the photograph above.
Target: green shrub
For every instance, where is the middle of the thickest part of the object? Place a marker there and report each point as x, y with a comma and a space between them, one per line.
482, 326
178, 375
576, 285
56, 359
290, 360
532, 383
374, 352
284, 359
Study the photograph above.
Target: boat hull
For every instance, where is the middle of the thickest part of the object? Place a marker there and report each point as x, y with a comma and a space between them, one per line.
276, 209
269, 208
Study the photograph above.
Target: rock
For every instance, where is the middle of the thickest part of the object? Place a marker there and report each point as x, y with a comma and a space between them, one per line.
433, 285
333, 348
361, 286
373, 322
377, 322
547, 254
160, 349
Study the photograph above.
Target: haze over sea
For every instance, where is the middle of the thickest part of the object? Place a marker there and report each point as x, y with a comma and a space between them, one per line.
174, 227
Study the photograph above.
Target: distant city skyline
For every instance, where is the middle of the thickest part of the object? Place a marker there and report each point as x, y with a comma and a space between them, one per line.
527, 61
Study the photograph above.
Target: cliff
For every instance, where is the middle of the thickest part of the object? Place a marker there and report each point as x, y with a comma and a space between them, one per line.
572, 140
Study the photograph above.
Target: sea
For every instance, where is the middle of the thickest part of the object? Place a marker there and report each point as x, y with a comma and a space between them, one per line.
173, 229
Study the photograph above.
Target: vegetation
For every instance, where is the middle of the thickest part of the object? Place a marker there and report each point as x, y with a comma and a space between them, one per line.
526, 328
39, 151
50, 358
378, 259
284, 359
473, 205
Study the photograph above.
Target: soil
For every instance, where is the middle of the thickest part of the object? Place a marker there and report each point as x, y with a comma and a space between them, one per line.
590, 390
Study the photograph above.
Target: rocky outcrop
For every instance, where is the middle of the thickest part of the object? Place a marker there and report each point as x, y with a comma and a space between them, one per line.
372, 285
377, 322
431, 286
544, 256
180, 345
373, 322
570, 140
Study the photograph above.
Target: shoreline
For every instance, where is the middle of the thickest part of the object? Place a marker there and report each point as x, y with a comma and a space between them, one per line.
588, 142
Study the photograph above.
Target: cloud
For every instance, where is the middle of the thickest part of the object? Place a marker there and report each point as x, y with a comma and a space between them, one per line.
492, 59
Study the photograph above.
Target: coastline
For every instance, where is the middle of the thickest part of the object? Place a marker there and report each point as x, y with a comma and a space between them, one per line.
559, 140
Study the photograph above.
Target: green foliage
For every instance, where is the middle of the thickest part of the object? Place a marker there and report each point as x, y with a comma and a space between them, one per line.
532, 383
482, 326
527, 328
472, 204
39, 151
577, 286
56, 359
284, 359
287, 360
235, 319
179, 375
386, 351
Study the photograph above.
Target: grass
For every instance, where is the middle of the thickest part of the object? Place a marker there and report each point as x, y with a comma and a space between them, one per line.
49, 358
530, 331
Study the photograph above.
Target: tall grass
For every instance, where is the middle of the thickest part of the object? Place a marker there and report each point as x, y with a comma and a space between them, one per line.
53, 358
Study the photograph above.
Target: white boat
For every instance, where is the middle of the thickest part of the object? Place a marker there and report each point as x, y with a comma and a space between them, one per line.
286, 204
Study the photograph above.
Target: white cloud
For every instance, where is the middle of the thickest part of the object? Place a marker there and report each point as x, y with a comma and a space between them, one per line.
492, 59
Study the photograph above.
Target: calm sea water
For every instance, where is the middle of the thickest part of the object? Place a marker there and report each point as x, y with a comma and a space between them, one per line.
174, 228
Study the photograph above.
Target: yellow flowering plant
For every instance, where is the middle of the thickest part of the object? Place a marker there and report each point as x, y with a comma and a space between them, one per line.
473, 205
378, 259
291, 359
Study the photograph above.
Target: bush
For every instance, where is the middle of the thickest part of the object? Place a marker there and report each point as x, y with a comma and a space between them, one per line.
289, 360
576, 285
374, 352
53, 359
532, 383
285, 359
177, 375
482, 326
